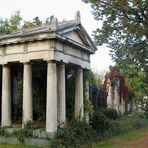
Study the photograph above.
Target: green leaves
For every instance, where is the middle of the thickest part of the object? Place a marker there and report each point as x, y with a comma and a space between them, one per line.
16, 22
135, 80
10, 25
124, 28
125, 31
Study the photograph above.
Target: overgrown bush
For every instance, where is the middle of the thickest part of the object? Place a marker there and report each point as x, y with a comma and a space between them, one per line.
74, 134
139, 123
99, 121
25, 132
103, 125
77, 133
110, 113
127, 124
4, 132
22, 134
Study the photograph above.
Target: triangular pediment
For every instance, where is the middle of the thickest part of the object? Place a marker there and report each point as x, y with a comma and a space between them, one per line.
77, 37
78, 34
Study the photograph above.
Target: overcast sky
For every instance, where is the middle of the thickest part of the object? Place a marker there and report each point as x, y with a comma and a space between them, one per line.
62, 9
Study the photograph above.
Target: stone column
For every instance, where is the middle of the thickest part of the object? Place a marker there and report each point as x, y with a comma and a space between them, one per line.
109, 96
61, 94
87, 89
79, 93
116, 99
87, 97
51, 102
27, 93
6, 97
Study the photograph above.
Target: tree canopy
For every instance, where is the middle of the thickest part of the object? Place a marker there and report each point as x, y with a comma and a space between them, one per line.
15, 22
125, 30
136, 81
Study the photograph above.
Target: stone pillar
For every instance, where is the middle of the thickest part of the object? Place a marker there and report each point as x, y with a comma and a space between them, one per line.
6, 97
27, 93
87, 97
116, 99
109, 97
79, 93
51, 102
61, 94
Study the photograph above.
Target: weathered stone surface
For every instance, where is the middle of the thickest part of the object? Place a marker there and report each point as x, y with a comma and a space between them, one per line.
61, 94
6, 96
79, 93
67, 43
51, 101
27, 93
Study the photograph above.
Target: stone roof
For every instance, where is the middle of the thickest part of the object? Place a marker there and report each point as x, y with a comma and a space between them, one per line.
59, 29
40, 29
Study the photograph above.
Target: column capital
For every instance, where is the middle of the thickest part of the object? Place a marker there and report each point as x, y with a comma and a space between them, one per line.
5, 65
24, 61
27, 63
51, 61
61, 64
79, 69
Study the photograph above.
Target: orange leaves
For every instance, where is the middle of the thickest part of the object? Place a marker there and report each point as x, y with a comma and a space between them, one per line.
136, 2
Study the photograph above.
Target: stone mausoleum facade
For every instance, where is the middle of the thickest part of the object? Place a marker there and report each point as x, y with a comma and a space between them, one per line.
58, 45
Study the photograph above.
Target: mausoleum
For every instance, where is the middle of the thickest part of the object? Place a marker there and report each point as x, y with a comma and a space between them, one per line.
52, 48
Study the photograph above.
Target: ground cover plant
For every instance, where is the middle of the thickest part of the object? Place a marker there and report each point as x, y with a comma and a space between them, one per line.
4, 145
136, 138
77, 133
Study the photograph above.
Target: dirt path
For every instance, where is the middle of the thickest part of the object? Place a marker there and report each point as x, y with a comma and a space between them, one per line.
142, 143
135, 139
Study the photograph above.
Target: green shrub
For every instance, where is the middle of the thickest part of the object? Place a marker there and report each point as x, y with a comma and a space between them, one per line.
77, 133
99, 122
125, 124
73, 135
4, 132
22, 134
114, 129
139, 123
27, 125
105, 127
110, 113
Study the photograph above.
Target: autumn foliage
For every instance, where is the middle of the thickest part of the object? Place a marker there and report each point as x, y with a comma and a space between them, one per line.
111, 79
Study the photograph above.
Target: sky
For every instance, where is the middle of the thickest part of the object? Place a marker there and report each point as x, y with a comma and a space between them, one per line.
63, 10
